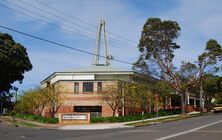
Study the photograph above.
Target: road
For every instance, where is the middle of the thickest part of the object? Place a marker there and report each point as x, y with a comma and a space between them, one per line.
197, 128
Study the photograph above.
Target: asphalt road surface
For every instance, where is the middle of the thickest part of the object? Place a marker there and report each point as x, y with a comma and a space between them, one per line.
197, 128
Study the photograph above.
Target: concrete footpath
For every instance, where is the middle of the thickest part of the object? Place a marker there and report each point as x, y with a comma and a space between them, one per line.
111, 125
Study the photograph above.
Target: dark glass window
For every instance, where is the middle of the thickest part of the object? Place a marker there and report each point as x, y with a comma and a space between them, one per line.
88, 109
76, 87
88, 87
99, 87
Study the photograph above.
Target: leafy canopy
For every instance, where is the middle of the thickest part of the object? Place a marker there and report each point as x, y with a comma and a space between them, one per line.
157, 46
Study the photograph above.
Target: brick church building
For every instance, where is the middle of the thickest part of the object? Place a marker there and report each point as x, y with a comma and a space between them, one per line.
81, 88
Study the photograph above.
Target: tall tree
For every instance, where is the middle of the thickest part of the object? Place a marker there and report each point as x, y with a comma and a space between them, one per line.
14, 62
157, 46
192, 74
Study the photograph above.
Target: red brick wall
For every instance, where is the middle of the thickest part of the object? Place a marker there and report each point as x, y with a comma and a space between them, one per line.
71, 99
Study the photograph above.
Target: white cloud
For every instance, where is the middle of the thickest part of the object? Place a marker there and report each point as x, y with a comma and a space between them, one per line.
199, 20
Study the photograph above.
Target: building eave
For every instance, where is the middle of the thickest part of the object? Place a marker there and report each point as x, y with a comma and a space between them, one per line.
92, 73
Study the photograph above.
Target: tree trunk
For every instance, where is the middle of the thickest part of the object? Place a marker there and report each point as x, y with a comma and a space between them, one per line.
52, 112
41, 111
114, 111
201, 98
183, 105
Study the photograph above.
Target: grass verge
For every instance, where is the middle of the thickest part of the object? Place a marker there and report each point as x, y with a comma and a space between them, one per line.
17, 122
25, 124
164, 120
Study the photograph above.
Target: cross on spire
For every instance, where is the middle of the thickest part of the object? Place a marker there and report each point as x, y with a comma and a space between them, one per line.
101, 34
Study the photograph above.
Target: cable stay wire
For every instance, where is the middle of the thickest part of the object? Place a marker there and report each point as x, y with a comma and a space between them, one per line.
60, 44
67, 20
114, 36
69, 28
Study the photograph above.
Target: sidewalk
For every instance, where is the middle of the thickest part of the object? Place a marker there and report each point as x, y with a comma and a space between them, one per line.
111, 125
94, 126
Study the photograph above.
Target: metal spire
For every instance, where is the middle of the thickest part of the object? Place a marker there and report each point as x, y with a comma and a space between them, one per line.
102, 31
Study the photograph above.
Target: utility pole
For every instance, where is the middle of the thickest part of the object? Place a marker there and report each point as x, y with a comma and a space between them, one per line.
16, 98
123, 99
16, 94
1, 106
157, 106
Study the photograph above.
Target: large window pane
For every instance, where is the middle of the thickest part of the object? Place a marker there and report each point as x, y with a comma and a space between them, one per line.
88, 87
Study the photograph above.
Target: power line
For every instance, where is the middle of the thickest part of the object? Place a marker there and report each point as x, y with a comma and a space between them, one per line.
61, 45
49, 13
25, 9
62, 18
55, 25
117, 43
69, 28
60, 11
85, 22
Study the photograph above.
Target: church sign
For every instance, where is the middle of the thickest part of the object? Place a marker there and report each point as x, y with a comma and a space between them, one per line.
74, 118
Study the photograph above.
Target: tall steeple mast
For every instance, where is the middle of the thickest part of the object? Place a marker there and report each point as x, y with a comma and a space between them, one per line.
102, 31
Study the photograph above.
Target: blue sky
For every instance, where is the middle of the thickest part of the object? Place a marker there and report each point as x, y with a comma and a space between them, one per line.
199, 20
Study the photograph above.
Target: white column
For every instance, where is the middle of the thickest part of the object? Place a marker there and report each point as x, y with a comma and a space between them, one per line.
194, 102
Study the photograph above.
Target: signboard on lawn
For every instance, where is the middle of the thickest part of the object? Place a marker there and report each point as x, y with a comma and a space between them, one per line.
74, 118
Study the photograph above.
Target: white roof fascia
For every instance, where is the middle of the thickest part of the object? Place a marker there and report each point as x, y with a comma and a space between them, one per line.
84, 73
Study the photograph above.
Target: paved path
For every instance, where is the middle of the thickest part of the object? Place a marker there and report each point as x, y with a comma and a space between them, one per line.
111, 125
107, 125
197, 128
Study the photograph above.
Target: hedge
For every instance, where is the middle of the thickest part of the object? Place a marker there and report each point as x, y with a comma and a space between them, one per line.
134, 117
32, 117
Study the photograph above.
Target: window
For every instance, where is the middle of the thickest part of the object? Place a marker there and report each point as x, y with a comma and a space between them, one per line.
88, 87
76, 87
87, 108
99, 87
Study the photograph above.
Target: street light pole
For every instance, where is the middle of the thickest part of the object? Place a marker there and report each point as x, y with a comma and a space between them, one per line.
16, 94
123, 99
1, 107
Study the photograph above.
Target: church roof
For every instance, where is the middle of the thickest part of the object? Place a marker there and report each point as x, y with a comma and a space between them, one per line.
98, 68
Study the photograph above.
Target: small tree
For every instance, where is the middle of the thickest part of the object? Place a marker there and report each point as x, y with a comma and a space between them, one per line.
132, 97
30, 102
52, 93
112, 95
36, 100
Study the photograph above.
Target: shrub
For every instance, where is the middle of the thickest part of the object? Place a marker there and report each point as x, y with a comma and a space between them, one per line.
134, 117
35, 118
